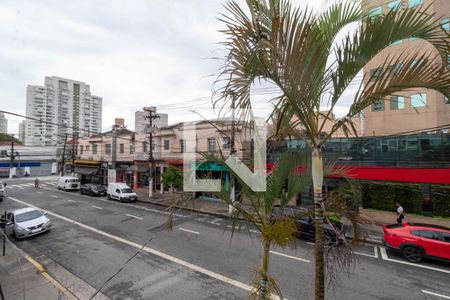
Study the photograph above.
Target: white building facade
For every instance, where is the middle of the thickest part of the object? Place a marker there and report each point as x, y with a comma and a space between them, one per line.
3, 123
62, 101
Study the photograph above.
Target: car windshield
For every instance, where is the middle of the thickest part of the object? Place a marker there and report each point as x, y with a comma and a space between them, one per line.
126, 191
29, 215
73, 180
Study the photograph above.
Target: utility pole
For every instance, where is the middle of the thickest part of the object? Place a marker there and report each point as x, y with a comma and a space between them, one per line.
11, 163
151, 161
232, 152
73, 154
63, 156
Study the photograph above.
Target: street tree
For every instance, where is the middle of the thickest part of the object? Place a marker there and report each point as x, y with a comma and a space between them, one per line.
297, 51
172, 177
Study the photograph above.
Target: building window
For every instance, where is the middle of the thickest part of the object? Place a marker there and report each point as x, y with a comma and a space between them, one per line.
446, 100
87, 148
166, 144
378, 105
182, 146
397, 102
226, 142
419, 100
144, 147
108, 149
414, 3
131, 149
81, 149
445, 24
394, 5
375, 73
375, 12
94, 148
211, 144
121, 148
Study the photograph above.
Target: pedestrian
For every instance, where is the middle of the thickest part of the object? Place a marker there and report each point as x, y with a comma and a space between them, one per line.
36, 183
400, 215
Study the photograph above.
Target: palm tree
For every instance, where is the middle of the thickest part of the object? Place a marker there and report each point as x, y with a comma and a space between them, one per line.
296, 51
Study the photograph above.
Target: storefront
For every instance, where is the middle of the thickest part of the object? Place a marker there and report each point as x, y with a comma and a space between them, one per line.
90, 171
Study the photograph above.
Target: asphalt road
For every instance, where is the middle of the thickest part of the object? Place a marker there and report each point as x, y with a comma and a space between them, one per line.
93, 238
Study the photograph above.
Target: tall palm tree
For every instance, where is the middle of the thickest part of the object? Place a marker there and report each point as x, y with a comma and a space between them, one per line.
296, 51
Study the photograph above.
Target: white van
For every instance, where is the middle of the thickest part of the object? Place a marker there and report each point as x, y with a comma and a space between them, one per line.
68, 183
120, 191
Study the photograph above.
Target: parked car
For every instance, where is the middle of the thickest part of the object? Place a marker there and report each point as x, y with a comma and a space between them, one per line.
2, 190
120, 191
415, 241
68, 183
93, 189
26, 222
304, 221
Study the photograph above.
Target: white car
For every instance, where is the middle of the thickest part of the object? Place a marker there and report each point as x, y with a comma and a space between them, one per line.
120, 191
25, 222
68, 183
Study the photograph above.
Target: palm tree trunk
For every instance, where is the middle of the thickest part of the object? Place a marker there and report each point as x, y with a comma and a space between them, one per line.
263, 294
317, 175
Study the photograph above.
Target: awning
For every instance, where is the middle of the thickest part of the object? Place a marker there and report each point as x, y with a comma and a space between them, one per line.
211, 166
87, 162
86, 170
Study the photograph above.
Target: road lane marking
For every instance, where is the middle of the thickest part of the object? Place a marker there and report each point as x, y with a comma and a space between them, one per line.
168, 257
97, 207
133, 216
70, 200
53, 196
385, 257
435, 294
255, 231
191, 231
38, 192
309, 243
374, 255
9, 187
290, 256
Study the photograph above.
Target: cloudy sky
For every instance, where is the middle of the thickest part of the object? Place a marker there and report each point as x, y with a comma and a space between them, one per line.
131, 53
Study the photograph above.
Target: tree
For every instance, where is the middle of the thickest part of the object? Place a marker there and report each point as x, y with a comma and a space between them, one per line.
291, 49
172, 177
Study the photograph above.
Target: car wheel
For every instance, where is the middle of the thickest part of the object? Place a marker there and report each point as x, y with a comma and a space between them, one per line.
64, 188
330, 239
59, 188
413, 254
91, 194
108, 196
16, 238
120, 199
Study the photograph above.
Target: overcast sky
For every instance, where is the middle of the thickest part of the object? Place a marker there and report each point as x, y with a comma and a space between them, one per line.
131, 53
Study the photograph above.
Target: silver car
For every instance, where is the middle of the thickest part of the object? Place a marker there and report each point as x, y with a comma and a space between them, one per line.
25, 222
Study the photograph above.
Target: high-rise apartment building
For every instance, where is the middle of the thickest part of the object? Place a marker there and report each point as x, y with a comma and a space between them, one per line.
141, 123
3, 123
413, 110
22, 132
66, 102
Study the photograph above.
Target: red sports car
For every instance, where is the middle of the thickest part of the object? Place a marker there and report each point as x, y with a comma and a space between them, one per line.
416, 241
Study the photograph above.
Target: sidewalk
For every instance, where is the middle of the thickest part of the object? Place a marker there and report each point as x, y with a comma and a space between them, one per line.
20, 279
370, 225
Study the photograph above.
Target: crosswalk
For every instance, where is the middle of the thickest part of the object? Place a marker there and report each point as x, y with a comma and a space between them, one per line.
31, 184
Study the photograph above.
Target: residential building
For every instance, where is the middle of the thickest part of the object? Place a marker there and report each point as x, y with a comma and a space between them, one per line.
3, 123
141, 123
62, 101
119, 122
22, 132
412, 110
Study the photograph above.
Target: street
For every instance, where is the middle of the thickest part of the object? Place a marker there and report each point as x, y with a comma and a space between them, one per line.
93, 238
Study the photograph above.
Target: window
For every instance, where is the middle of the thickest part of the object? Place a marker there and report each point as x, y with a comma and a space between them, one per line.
81, 149
446, 100
144, 147
131, 149
226, 142
428, 234
397, 102
375, 12
419, 100
87, 148
414, 3
211, 144
182, 146
375, 73
108, 149
394, 5
94, 148
445, 23
166, 144
446, 236
121, 148
378, 105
